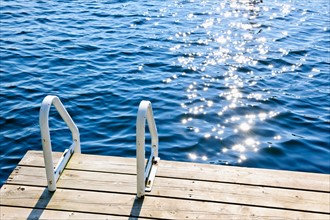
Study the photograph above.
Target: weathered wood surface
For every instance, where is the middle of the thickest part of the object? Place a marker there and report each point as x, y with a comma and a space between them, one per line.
105, 187
182, 170
180, 188
7, 212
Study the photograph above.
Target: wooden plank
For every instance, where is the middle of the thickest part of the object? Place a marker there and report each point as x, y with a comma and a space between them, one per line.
36, 158
181, 189
219, 173
7, 213
126, 205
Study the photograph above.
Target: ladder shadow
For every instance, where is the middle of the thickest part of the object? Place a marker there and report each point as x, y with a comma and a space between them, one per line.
136, 208
41, 204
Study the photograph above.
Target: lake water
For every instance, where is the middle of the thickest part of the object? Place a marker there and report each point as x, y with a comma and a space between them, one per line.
240, 83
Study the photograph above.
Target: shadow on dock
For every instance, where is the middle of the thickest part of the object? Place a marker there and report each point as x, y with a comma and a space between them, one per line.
41, 204
90, 189
136, 208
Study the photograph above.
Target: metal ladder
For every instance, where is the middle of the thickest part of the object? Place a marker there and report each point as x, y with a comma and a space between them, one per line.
145, 172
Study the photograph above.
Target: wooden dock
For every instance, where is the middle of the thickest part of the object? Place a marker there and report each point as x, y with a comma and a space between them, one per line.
104, 187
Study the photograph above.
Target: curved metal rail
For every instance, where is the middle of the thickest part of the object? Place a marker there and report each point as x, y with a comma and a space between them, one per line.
146, 174
54, 174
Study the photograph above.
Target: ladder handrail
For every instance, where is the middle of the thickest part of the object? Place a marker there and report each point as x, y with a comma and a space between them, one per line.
51, 173
146, 175
145, 172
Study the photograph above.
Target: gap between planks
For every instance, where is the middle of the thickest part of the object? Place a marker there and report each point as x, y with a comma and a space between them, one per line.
149, 207
223, 195
193, 171
181, 189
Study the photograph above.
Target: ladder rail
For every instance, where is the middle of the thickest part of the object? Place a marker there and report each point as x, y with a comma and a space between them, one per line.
51, 173
146, 173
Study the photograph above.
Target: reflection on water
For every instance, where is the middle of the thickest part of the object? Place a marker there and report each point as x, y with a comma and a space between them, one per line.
231, 82
230, 47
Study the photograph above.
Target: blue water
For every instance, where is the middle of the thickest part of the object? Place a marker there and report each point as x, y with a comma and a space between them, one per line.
231, 82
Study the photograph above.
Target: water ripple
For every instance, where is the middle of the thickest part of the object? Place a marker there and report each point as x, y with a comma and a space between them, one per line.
235, 82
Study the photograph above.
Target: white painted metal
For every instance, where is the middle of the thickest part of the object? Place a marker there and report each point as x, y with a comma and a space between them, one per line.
145, 176
53, 174
151, 176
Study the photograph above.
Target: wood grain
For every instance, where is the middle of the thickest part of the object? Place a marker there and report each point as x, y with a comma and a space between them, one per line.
128, 205
182, 170
11, 213
104, 185
181, 189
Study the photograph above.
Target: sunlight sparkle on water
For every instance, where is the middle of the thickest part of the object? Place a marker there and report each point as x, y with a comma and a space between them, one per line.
277, 137
218, 92
262, 116
245, 126
193, 156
